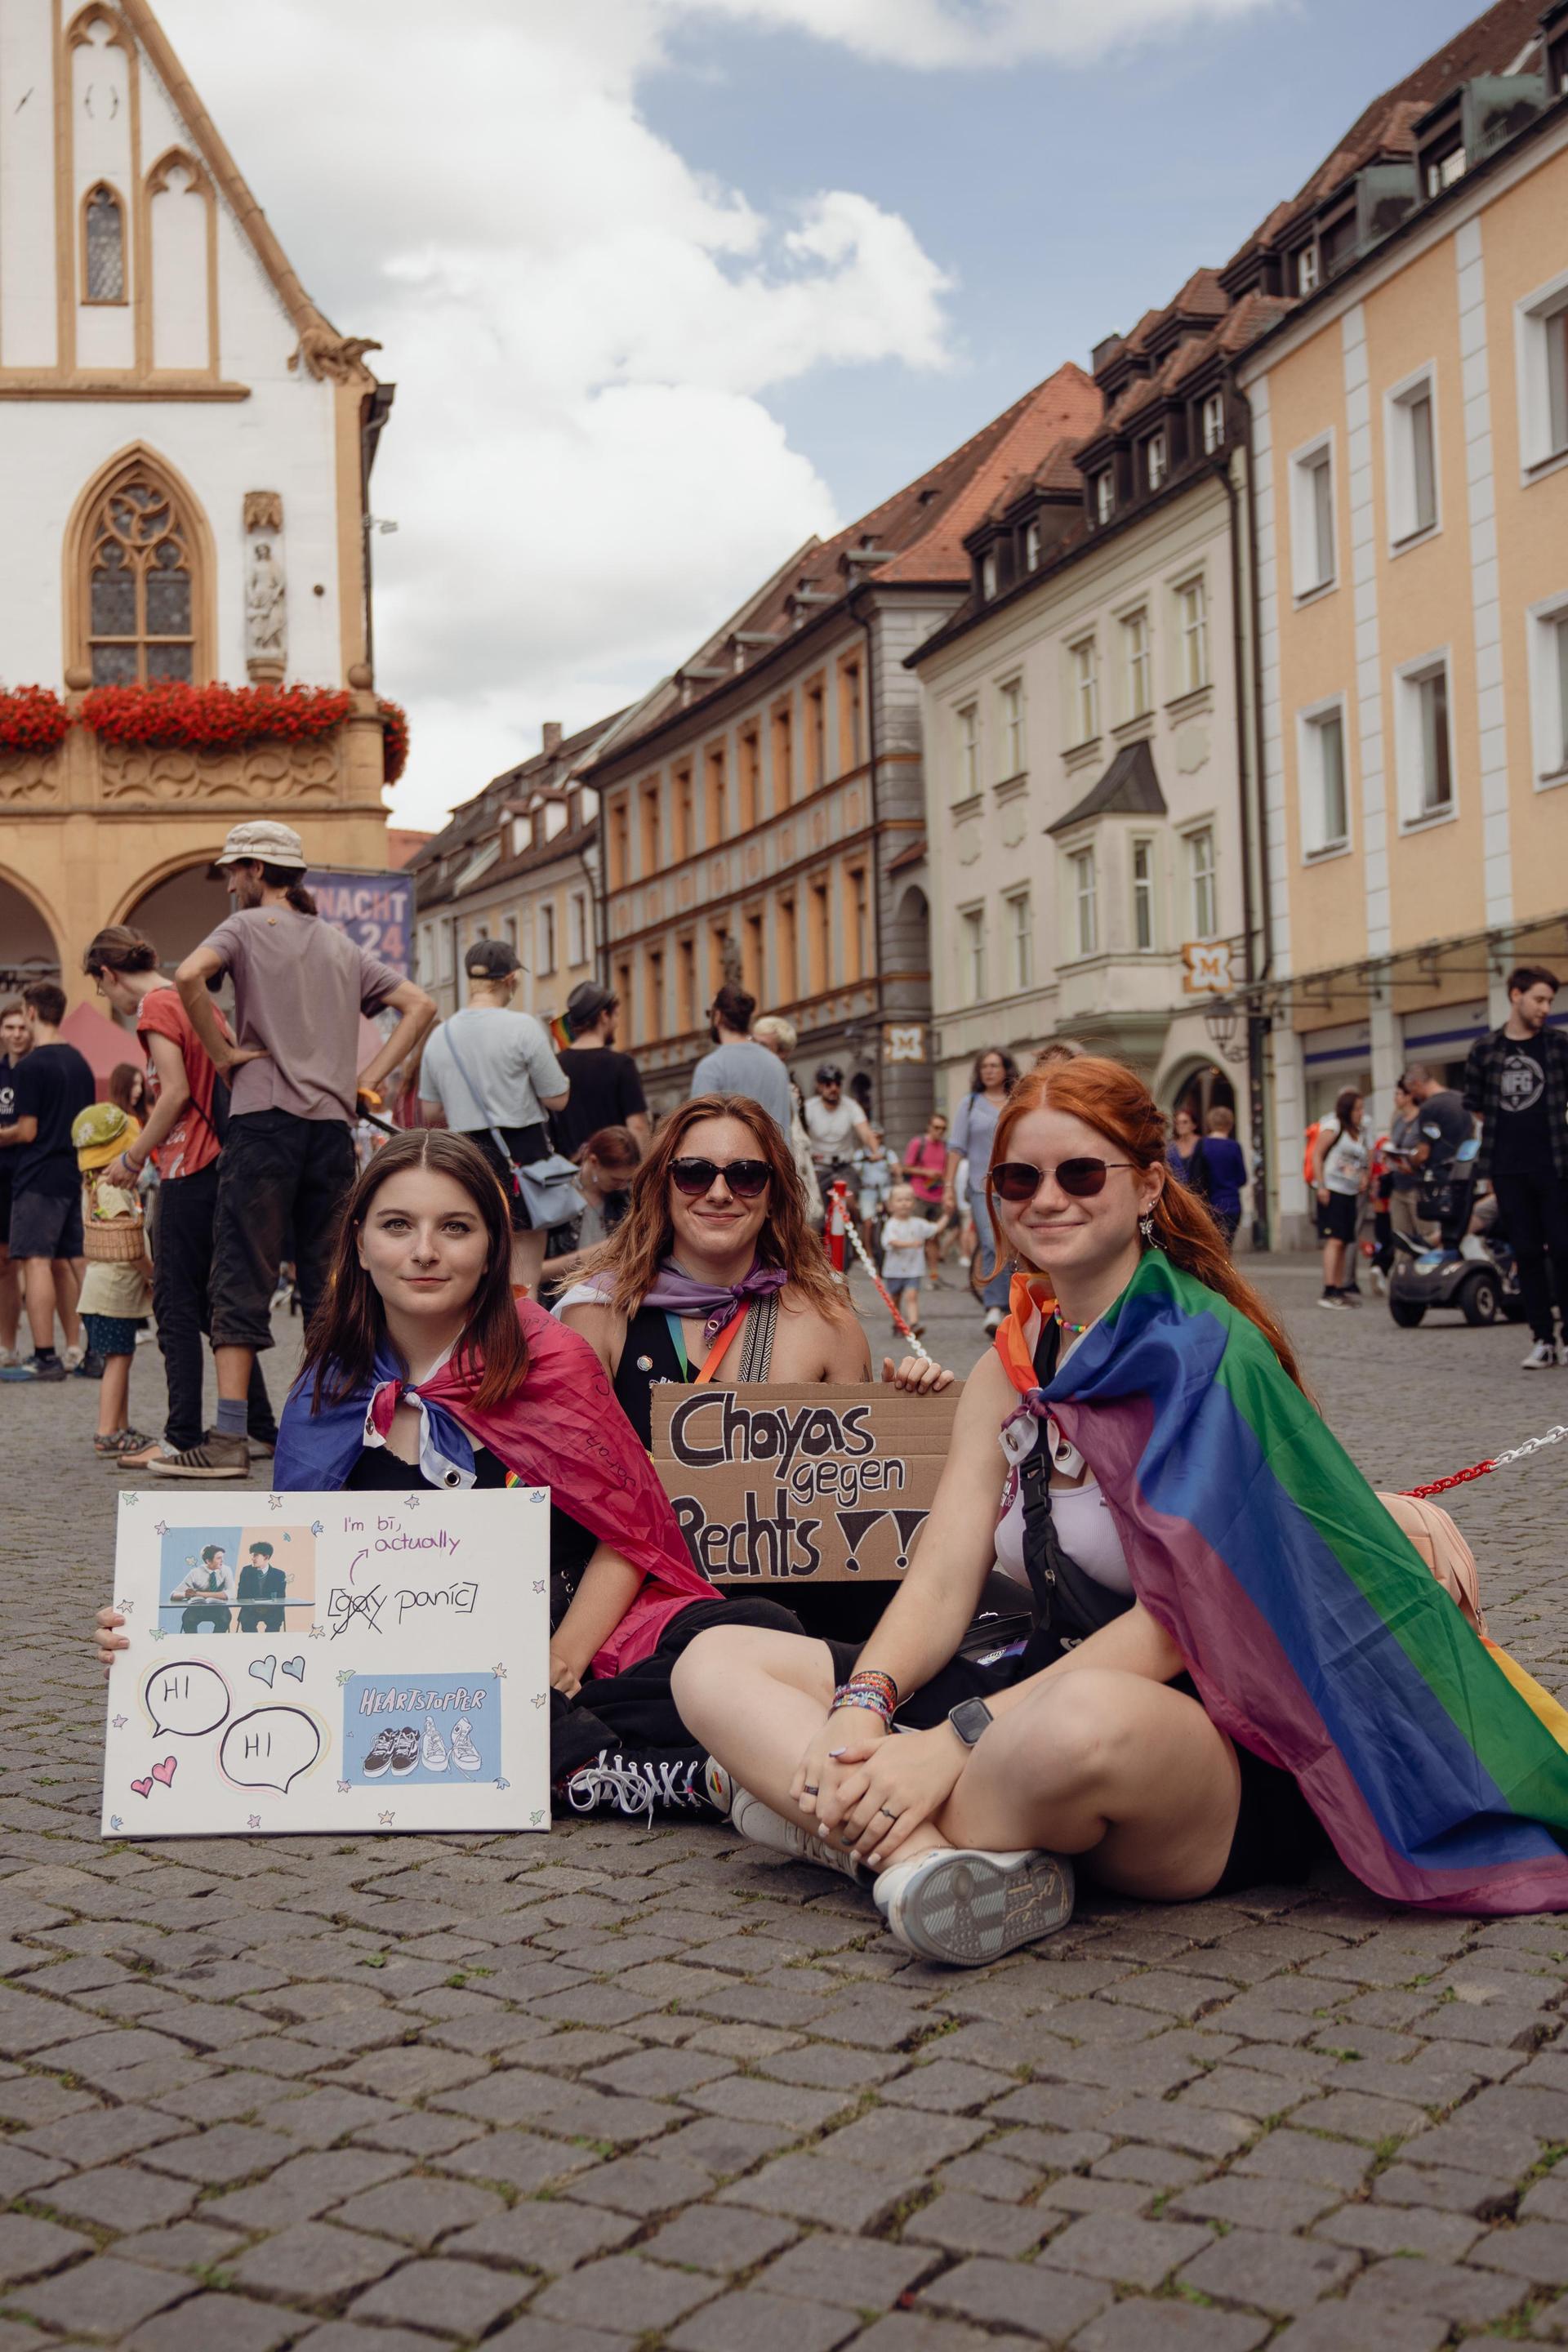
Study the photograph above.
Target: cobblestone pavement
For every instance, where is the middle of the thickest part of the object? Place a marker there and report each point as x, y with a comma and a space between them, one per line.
630, 2088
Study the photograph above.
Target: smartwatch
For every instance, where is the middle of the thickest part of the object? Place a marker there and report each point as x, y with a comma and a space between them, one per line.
969, 1718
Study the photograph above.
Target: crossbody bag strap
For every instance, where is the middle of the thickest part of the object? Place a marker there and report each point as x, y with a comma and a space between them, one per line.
757, 1351
495, 1134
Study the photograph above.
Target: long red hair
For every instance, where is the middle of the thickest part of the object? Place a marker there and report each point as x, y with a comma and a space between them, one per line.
1110, 1097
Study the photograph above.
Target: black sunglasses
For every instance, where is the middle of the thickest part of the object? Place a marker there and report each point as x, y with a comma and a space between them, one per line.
1019, 1180
747, 1179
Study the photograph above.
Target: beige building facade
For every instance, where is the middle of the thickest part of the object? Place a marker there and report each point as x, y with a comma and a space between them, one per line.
1410, 440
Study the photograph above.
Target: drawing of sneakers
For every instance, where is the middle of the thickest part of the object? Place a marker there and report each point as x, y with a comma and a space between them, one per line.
465, 1755
379, 1756
405, 1748
433, 1747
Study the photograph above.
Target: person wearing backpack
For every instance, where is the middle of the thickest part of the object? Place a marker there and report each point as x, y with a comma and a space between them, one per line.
182, 1137
492, 1075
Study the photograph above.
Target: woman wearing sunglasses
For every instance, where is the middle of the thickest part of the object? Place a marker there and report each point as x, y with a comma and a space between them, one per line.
714, 1274
1182, 1520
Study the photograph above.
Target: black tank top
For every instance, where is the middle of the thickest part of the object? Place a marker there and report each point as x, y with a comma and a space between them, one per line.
650, 1354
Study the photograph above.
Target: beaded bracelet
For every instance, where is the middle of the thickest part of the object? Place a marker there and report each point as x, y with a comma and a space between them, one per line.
845, 1697
868, 1688
872, 1678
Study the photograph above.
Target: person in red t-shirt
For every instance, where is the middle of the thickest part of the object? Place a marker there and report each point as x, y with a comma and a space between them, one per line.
924, 1170
181, 1138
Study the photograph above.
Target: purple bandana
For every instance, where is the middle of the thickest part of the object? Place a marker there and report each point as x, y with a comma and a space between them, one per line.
679, 1292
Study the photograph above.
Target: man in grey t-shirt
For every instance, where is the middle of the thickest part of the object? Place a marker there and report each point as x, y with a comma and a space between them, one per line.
490, 1067
738, 1065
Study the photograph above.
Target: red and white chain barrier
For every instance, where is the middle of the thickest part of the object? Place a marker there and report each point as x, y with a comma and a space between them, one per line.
1499, 1461
841, 1228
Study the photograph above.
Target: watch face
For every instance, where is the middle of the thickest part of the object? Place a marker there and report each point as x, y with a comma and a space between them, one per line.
969, 1719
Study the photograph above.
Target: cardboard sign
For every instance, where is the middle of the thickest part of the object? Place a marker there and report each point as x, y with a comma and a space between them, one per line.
330, 1662
820, 1486
377, 910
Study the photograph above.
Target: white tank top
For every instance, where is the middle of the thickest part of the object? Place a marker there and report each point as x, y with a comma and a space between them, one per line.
1084, 1525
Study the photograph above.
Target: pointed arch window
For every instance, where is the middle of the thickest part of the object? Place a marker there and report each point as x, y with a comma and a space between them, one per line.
142, 585
104, 245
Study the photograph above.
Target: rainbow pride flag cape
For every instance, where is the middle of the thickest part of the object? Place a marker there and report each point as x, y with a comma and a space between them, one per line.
1311, 1625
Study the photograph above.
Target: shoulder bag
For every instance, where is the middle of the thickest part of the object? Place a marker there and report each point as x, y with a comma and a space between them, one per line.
547, 1187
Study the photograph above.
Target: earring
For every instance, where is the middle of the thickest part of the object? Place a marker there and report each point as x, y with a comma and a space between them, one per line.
1146, 1230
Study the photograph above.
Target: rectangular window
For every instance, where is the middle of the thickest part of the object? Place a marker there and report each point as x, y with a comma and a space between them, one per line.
1192, 618
972, 955
624, 997
1032, 547
509, 929
1549, 691
686, 986
1214, 422
1307, 269
1312, 519
1085, 910
425, 970
713, 818
656, 1007
1200, 883
860, 925
988, 575
1426, 751
1412, 461
968, 717
754, 978
545, 937
1543, 325
1135, 658
789, 951
1021, 924
1144, 894
821, 934
1325, 794
685, 814
620, 856
1156, 463
1104, 495
783, 757
577, 928
1085, 663
851, 717
751, 772
650, 844
1444, 170
1010, 698
816, 736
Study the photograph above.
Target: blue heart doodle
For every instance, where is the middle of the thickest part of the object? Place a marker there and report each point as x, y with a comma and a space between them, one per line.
295, 1668
262, 1670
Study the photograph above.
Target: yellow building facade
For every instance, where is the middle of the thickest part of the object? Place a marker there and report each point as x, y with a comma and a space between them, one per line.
1410, 457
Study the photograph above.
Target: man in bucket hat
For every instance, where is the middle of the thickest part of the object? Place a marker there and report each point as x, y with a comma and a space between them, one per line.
299, 987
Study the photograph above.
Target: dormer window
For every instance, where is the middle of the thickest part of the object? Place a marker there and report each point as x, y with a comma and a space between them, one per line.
988, 575
1032, 547
1307, 269
521, 835
1337, 242
1442, 170
1104, 495
1156, 460
1212, 422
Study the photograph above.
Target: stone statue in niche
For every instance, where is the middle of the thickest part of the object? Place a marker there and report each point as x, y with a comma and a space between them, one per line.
265, 620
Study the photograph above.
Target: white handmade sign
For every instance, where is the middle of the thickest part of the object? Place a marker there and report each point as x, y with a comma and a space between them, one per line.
305, 1662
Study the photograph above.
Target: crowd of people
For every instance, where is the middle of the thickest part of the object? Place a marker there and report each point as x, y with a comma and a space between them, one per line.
494, 1294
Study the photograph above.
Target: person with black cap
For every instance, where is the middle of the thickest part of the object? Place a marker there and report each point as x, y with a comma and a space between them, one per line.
492, 1073
605, 1088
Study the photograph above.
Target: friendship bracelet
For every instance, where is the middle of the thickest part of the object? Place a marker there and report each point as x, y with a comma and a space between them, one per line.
871, 1677
873, 1700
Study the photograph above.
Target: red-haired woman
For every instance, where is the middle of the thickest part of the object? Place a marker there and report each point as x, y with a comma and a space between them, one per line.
421, 1370
1091, 1743
715, 1253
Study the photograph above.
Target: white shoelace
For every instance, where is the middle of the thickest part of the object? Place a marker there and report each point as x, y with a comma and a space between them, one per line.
634, 1788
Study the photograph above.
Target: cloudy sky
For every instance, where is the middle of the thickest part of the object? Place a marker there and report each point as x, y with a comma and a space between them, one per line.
666, 285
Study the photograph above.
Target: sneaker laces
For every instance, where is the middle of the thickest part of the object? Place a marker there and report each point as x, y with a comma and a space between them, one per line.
633, 1787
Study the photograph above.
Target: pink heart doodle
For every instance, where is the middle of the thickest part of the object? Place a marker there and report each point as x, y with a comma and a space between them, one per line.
142, 1787
165, 1771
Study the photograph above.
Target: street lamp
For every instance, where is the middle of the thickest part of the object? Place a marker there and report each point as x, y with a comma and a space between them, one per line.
1222, 1020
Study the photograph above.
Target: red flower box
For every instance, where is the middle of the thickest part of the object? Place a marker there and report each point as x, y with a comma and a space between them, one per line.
34, 719
214, 718
395, 726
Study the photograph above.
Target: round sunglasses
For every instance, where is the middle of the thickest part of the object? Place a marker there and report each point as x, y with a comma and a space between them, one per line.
1019, 1180
747, 1179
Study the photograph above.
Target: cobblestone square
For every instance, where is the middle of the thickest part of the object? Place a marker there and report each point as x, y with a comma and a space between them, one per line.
649, 2086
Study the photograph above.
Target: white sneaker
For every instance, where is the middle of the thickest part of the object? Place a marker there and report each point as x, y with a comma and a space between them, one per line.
431, 1747
959, 1904
465, 1755
9, 1357
994, 1319
1543, 1353
764, 1827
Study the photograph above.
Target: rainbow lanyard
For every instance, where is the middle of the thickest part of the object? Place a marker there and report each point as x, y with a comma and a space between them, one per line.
715, 1354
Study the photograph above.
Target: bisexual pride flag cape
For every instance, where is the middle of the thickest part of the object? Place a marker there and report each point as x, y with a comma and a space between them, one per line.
1312, 1628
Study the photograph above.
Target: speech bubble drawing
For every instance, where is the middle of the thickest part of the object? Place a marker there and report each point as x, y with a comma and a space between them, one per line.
188, 1697
270, 1747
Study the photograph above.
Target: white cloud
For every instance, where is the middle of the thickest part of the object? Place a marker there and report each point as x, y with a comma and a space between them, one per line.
582, 331
931, 33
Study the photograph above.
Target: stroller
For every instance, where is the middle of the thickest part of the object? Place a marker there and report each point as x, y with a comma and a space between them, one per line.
1473, 1272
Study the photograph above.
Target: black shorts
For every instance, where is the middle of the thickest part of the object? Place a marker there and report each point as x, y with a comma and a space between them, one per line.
46, 1224
1338, 1217
526, 1145
1278, 1837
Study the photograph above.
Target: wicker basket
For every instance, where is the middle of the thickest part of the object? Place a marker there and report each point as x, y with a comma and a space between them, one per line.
114, 1240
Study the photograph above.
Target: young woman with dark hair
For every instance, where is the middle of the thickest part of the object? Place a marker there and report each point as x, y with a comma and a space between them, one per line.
714, 1272
1238, 1653
1342, 1162
127, 1088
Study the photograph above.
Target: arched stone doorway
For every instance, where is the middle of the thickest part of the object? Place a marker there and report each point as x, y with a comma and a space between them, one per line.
1200, 1087
177, 911
28, 948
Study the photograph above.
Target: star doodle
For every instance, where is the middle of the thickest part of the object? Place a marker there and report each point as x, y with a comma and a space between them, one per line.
539, 1697
342, 1788
275, 1502
411, 1502
539, 1584
537, 1815
318, 1526
498, 1671
539, 1495
503, 1784
317, 1632
253, 1821
120, 1722
126, 1608
160, 1528
115, 1822
159, 1633
129, 1500
386, 1820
